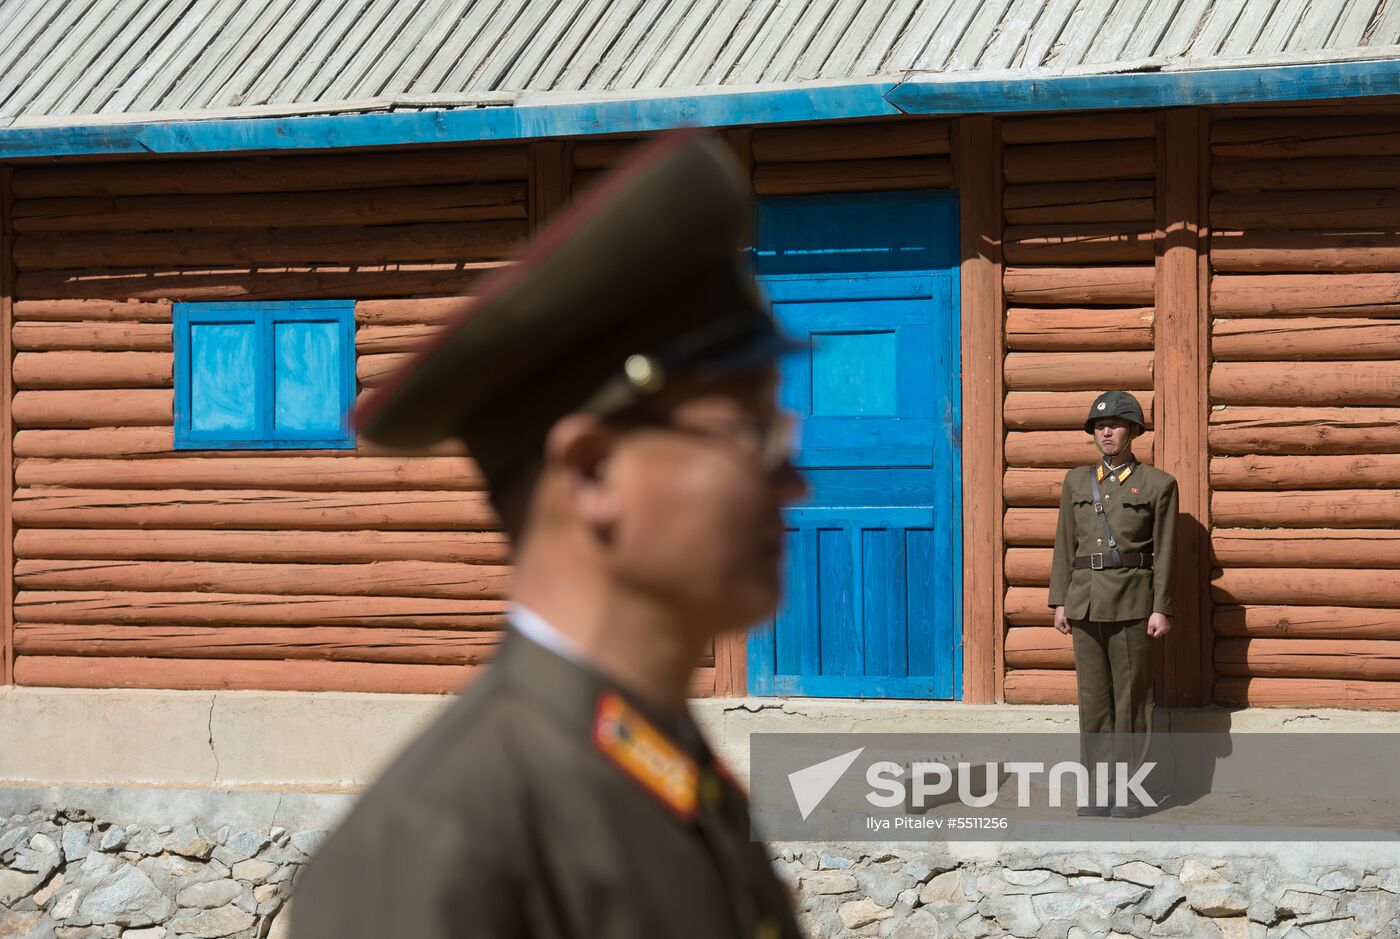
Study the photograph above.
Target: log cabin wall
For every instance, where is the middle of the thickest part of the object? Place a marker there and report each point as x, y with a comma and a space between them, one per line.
1080, 216
1305, 392
141, 566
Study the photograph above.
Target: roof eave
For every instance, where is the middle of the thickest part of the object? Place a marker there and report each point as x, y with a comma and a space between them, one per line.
542, 115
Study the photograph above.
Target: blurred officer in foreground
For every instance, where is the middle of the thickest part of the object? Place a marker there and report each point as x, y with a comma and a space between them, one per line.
616, 387
1111, 586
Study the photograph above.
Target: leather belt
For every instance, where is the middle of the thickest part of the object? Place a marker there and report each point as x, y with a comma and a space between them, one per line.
1105, 562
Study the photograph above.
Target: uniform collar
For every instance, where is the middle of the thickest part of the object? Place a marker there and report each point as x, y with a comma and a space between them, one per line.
663, 755
1121, 474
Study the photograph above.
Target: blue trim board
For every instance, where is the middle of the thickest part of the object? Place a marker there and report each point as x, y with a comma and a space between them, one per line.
926, 95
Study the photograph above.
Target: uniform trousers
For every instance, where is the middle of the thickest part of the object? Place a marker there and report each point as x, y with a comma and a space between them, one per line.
1114, 672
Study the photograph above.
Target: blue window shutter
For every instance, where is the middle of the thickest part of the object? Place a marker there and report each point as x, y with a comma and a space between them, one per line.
277, 375
310, 345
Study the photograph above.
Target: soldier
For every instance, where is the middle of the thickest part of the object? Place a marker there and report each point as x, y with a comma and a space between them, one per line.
1111, 586
616, 387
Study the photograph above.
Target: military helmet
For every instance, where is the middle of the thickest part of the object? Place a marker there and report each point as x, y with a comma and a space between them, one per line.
1115, 404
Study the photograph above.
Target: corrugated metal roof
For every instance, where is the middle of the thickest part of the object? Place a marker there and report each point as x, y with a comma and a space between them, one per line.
61, 59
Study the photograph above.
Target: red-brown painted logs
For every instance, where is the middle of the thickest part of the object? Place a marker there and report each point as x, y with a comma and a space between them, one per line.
254, 675
375, 370
275, 174
1308, 622
1028, 606
148, 442
345, 244
1104, 127
1064, 203
1305, 383
252, 509
1307, 692
1038, 647
1305, 295
319, 547
240, 675
1058, 410
1245, 252
93, 370
1307, 547
1030, 527
1323, 135
1085, 244
1345, 209
313, 643
1076, 330
1368, 659
92, 337
1078, 371
410, 312
387, 206
1314, 471
102, 607
1077, 161
602, 153
111, 408
1068, 286
1040, 686
95, 311
1317, 508
358, 282
781, 179
1298, 586
1033, 488
116, 442
1304, 338
1028, 567
851, 142
1337, 172
375, 339
1236, 431
380, 578
1063, 448
338, 474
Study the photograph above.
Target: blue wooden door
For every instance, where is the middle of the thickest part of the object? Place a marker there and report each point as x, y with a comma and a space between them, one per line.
873, 596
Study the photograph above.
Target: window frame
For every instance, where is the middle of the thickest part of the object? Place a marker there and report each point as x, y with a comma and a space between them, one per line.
263, 315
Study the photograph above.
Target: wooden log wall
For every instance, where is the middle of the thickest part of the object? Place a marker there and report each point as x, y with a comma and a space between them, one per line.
140, 566
1305, 392
1080, 221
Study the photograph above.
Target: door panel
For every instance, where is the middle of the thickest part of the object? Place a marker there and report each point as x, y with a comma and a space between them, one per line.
873, 600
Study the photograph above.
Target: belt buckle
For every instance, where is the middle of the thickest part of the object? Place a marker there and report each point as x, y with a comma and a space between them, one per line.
1096, 562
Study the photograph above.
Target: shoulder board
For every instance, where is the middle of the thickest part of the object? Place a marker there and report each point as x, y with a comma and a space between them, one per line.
625, 736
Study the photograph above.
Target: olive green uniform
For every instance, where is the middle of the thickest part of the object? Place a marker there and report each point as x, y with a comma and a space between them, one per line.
546, 803
1109, 608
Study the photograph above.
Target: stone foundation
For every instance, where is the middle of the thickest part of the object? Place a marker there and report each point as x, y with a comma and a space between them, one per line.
72, 873
69, 875
924, 894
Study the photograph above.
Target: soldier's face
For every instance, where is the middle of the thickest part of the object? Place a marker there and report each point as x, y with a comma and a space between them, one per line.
699, 499
1113, 435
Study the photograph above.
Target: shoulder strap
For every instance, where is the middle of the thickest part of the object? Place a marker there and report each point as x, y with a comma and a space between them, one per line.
1103, 518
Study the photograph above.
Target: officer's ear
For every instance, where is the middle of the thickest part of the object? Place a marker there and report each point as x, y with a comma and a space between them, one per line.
576, 453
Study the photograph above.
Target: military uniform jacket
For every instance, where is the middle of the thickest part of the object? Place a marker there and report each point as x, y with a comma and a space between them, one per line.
1141, 509
545, 803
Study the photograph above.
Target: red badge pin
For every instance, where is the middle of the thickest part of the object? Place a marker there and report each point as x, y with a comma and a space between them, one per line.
1136, 491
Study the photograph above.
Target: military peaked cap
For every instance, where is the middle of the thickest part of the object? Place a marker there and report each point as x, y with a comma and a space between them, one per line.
643, 277
1118, 404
